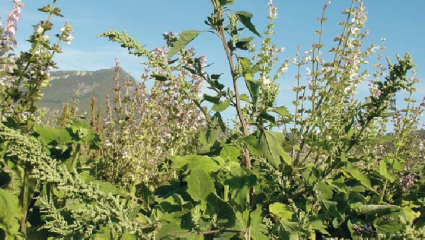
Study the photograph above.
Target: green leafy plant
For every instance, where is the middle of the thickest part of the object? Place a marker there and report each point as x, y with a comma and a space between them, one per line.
162, 164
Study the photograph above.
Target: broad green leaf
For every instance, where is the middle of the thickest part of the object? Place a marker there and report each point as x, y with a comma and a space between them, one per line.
226, 216
81, 131
324, 191
86, 176
208, 136
230, 153
291, 230
318, 224
282, 211
212, 99
272, 144
185, 38
195, 161
10, 213
219, 107
245, 63
135, 212
253, 88
282, 111
258, 230
128, 236
264, 115
166, 228
51, 135
357, 174
253, 145
384, 172
245, 19
244, 97
375, 209
106, 187
388, 224
244, 43
200, 184
398, 165
240, 181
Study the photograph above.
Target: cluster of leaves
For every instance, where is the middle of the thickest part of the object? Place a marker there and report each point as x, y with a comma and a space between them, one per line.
161, 165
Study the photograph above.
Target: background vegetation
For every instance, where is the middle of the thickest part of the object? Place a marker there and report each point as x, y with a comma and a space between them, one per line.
160, 162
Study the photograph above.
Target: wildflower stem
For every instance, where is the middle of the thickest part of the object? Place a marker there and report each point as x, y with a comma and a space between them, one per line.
24, 204
220, 30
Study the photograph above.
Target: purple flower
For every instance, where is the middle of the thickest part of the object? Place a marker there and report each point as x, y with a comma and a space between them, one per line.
12, 20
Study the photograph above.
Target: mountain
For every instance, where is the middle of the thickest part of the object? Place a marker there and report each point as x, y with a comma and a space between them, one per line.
65, 84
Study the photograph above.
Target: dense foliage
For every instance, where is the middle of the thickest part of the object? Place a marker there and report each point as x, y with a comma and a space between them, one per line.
162, 164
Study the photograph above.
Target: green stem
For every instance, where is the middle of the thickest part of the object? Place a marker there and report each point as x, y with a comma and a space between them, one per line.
24, 210
226, 193
74, 159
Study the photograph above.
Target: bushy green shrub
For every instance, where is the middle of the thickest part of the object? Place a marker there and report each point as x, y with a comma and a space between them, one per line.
162, 165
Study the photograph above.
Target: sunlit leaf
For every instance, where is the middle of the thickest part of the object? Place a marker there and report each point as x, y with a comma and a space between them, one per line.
219, 107
200, 184
282, 211
245, 18
185, 38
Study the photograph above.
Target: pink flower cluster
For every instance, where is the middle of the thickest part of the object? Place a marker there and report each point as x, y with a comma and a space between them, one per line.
12, 20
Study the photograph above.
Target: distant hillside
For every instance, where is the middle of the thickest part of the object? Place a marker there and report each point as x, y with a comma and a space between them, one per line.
65, 84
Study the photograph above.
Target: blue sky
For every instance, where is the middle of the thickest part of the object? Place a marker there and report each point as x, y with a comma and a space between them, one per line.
400, 22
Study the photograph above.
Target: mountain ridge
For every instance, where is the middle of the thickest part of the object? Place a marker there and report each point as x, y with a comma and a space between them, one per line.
65, 85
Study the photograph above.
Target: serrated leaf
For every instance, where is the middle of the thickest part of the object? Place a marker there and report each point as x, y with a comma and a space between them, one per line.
357, 174
185, 38
245, 63
167, 228
135, 212
324, 191
245, 19
219, 107
195, 161
240, 181
253, 145
106, 187
10, 213
200, 185
244, 43
282, 111
211, 99
230, 153
282, 211
49, 135
384, 172
318, 224
389, 224
258, 230
272, 145
254, 89
159, 77
264, 115
226, 216
244, 97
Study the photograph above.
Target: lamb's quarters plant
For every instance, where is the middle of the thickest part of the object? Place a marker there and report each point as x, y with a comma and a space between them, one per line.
332, 172
162, 165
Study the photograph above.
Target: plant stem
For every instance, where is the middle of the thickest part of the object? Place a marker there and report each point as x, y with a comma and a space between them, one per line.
24, 210
74, 159
244, 124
